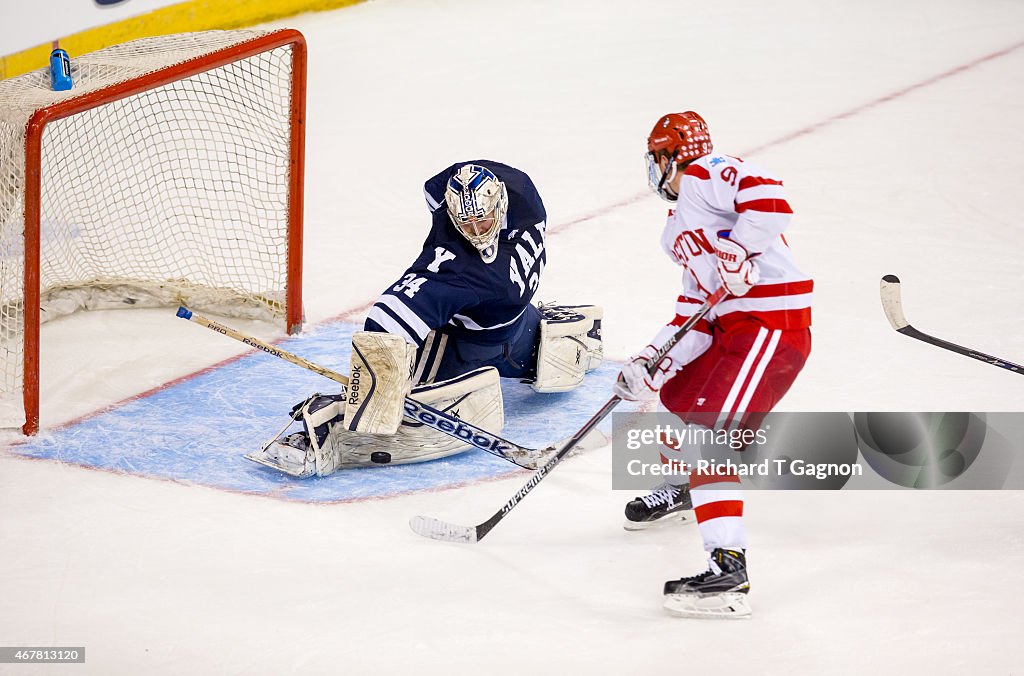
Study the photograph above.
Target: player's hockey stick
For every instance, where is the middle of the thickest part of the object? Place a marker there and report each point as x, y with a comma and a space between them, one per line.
892, 303
527, 458
436, 529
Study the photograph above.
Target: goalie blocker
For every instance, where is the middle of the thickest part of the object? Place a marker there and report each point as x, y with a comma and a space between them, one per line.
379, 380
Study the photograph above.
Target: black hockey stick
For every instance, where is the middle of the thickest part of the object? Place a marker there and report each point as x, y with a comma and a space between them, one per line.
436, 529
892, 303
416, 411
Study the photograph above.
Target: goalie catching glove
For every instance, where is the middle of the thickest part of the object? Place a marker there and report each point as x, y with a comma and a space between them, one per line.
736, 266
569, 345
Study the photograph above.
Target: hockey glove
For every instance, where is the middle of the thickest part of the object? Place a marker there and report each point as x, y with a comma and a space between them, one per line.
735, 265
635, 383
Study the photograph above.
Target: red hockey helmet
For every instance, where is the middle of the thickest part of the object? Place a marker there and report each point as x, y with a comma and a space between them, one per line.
683, 135
680, 137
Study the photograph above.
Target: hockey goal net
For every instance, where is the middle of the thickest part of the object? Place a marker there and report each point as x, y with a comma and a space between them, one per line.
171, 173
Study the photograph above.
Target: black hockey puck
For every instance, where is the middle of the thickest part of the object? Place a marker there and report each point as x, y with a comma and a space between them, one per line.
380, 457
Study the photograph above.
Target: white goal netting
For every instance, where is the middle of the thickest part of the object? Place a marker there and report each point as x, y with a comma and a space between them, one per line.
178, 193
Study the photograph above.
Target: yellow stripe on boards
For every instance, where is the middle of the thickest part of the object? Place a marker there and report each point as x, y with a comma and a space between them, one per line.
193, 15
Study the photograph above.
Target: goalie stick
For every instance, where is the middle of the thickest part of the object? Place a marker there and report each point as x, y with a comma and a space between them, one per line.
892, 304
522, 456
436, 529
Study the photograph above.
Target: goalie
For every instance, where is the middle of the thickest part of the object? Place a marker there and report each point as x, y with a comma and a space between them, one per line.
459, 318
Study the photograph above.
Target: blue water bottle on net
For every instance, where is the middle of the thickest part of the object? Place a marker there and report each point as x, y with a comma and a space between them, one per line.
60, 70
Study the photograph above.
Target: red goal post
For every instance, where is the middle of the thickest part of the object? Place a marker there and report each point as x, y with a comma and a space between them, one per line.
171, 173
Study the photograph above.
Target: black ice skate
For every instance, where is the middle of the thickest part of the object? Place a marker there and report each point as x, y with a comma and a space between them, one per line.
665, 503
718, 593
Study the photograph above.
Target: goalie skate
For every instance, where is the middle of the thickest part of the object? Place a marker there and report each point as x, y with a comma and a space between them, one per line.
291, 454
718, 593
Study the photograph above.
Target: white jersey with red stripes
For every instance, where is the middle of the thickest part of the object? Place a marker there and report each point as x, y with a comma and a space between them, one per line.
723, 193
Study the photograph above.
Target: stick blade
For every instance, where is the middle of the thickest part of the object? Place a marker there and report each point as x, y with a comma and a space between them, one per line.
892, 303
435, 529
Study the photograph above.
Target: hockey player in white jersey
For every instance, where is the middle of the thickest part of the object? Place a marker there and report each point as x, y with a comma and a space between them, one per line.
725, 230
456, 320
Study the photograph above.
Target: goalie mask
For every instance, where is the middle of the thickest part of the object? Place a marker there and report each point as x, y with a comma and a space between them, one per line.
477, 203
680, 138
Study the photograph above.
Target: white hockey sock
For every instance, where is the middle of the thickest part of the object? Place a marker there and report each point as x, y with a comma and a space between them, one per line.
719, 511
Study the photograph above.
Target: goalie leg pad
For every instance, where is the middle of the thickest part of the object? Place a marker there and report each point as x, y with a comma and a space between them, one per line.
379, 380
570, 345
319, 415
327, 445
430, 357
474, 397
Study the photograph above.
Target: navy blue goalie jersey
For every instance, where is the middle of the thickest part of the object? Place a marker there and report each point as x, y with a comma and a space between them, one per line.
449, 284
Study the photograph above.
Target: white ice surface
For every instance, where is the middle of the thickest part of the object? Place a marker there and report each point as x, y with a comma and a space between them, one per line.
885, 177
